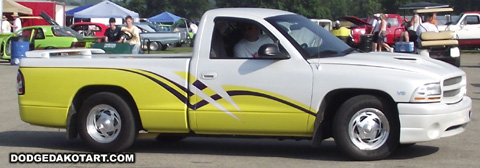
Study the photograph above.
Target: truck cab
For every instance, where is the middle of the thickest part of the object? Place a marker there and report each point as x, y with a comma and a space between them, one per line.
466, 28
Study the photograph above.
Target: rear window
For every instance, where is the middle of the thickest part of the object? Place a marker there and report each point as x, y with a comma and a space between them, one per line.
393, 21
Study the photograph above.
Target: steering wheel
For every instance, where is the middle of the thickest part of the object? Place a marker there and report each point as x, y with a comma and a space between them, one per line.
304, 45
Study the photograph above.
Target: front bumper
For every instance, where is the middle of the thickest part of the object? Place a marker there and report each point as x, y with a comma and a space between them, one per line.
430, 121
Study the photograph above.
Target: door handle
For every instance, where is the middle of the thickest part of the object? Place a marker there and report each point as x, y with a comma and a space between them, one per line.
209, 75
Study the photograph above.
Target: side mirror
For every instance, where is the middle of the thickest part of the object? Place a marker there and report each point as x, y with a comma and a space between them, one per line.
448, 18
271, 51
463, 24
336, 26
389, 25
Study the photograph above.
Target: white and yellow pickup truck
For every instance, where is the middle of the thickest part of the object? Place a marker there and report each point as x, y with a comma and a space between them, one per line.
305, 84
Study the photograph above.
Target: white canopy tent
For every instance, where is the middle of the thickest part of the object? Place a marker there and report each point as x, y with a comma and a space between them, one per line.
10, 6
105, 9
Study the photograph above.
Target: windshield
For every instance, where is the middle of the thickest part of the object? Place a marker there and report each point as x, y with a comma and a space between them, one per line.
455, 21
310, 39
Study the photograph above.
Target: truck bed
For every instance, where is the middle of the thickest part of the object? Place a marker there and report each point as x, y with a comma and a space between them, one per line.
157, 83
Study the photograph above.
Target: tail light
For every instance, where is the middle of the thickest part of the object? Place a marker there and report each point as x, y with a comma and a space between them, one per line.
78, 44
20, 83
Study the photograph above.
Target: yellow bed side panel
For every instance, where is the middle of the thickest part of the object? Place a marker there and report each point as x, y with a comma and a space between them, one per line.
57, 91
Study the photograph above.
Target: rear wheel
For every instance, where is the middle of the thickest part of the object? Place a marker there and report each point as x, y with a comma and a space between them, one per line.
164, 47
366, 128
106, 123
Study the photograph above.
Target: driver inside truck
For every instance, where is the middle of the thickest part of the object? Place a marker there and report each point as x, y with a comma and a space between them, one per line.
248, 46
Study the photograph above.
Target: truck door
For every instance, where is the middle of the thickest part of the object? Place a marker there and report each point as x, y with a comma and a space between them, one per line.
248, 96
470, 28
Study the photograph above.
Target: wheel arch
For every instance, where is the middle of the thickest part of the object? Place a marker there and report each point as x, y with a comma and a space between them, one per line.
84, 93
332, 102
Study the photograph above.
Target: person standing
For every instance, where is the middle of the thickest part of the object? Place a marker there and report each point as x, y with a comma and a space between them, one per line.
193, 27
6, 26
113, 33
134, 34
17, 23
376, 28
414, 23
382, 34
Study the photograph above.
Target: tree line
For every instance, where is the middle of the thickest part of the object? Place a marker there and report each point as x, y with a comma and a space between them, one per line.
326, 9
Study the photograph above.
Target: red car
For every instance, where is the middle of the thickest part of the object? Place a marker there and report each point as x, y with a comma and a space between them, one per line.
394, 28
90, 28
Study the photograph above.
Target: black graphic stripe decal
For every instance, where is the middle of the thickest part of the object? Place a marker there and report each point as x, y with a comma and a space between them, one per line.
249, 93
176, 84
215, 97
199, 85
169, 89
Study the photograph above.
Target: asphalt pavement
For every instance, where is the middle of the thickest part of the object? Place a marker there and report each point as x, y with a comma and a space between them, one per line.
19, 137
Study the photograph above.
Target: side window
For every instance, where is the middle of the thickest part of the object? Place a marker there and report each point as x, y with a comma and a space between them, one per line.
235, 38
39, 34
393, 21
472, 20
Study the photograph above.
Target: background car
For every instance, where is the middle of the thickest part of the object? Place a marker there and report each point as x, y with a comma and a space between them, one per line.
156, 39
46, 37
361, 27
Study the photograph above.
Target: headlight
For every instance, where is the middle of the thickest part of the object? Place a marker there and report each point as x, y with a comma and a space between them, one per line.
428, 93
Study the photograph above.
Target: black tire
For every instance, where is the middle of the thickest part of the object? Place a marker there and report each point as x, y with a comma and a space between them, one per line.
106, 106
378, 114
169, 138
164, 47
406, 145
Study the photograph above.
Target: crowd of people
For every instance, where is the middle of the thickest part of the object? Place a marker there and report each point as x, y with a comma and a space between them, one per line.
128, 34
413, 29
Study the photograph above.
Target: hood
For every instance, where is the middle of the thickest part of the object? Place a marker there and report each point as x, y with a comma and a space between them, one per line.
355, 20
49, 19
394, 61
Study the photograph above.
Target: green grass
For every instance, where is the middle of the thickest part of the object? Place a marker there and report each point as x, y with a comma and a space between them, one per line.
470, 51
173, 50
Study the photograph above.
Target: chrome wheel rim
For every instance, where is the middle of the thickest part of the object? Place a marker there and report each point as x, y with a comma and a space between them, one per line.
103, 123
368, 129
153, 46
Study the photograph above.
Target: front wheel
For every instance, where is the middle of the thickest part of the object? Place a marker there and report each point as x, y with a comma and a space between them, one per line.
106, 123
153, 46
366, 128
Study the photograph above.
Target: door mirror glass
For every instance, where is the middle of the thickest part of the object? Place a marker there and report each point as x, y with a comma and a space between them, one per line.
271, 51
448, 18
463, 23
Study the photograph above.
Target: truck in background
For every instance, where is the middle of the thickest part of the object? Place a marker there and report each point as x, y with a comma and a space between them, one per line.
394, 28
467, 28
